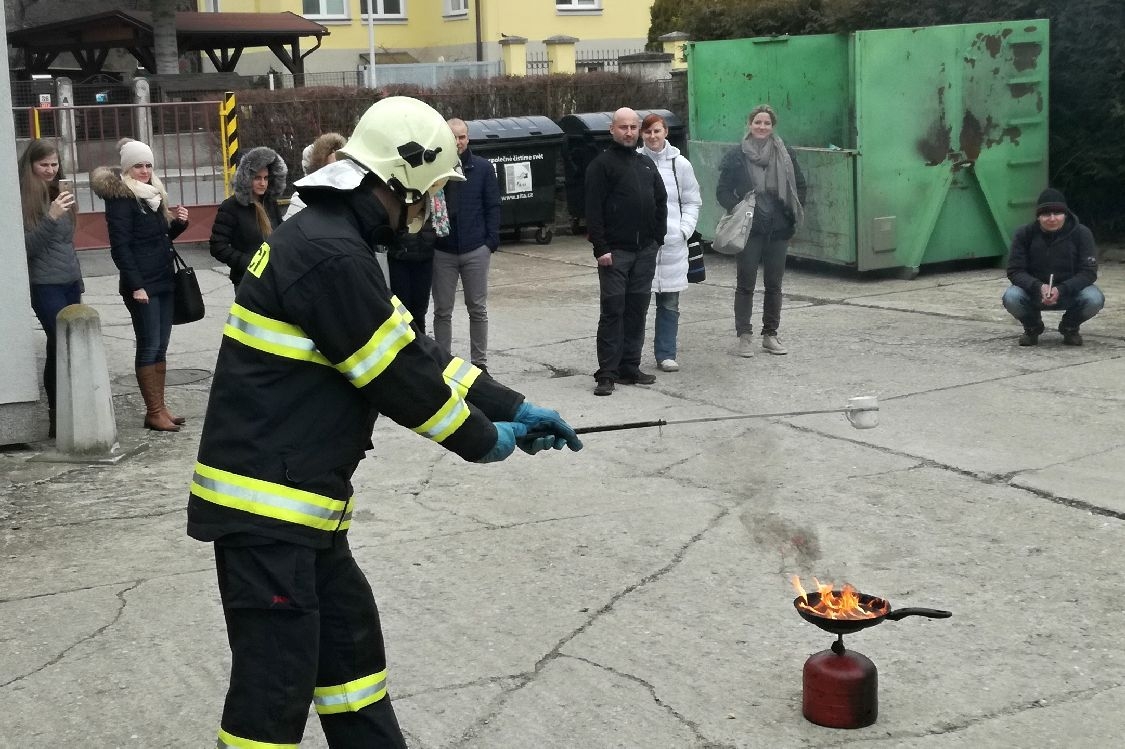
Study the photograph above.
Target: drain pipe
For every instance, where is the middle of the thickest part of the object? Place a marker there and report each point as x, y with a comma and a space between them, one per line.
480, 41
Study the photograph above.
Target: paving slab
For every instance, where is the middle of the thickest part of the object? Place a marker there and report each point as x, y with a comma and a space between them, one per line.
637, 594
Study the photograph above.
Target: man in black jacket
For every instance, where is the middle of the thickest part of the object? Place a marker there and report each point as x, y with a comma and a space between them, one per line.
626, 215
1052, 265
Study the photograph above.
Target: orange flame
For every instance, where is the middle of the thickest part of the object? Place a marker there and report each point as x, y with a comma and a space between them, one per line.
846, 603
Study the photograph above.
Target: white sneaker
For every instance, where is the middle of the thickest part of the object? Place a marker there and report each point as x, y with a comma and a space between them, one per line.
668, 365
746, 345
771, 344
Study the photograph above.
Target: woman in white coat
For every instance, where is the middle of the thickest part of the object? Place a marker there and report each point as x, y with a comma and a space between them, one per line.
684, 201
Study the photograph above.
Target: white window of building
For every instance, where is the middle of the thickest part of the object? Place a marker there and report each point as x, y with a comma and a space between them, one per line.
456, 7
569, 6
325, 8
383, 8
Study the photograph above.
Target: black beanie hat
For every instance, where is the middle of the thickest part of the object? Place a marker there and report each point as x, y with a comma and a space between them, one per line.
1051, 199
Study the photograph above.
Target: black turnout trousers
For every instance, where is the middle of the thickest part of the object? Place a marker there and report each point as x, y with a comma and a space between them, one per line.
303, 627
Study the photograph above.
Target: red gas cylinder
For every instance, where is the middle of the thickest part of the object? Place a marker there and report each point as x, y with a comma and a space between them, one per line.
840, 689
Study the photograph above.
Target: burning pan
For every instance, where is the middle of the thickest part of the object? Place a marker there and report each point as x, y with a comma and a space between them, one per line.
847, 626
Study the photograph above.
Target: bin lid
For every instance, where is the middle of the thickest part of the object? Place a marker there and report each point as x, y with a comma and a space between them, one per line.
535, 128
599, 122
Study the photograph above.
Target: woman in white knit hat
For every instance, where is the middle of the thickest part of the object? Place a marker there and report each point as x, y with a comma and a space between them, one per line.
141, 229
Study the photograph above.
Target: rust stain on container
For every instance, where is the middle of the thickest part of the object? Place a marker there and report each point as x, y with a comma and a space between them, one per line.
1025, 55
972, 136
934, 147
992, 43
1020, 90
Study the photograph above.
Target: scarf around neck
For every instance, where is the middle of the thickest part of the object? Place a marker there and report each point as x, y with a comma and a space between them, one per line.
152, 193
771, 170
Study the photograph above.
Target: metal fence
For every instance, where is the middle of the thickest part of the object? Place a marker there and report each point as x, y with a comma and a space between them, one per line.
585, 61
421, 74
184, 137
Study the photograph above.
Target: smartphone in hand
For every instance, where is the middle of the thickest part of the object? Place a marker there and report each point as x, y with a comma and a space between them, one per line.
66, 185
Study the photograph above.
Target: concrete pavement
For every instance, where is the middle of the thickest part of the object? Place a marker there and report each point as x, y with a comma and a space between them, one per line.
636, 594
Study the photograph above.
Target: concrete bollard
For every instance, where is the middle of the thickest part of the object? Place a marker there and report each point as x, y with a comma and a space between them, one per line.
85, 421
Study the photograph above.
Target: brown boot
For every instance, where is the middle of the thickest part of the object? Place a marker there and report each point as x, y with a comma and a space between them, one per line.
152, 391
161, 371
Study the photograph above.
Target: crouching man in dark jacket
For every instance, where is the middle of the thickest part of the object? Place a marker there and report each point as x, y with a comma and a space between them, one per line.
1052, 265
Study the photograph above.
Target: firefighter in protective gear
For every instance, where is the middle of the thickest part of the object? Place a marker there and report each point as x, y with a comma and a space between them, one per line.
314, 349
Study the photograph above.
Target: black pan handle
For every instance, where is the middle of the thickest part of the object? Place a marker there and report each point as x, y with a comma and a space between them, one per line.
897, 614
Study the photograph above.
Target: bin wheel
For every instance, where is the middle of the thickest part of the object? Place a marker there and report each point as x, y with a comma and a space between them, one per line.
907, 273
544, 235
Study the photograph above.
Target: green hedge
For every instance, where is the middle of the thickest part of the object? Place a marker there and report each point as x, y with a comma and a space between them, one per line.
1087, 68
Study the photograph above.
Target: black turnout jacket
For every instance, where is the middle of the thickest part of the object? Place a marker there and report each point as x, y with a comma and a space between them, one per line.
314, 349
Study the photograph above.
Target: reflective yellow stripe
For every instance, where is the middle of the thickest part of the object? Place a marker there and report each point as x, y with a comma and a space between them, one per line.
270, 500
377, 354
460, 375
445, 422
271, 336
230, 741
351, 697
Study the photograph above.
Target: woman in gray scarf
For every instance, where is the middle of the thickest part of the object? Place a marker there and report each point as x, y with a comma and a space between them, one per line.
764, 164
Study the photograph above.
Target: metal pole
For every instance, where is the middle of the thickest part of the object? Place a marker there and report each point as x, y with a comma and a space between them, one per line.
370, 44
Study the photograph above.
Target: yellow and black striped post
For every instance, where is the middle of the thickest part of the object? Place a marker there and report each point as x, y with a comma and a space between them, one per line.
228, 131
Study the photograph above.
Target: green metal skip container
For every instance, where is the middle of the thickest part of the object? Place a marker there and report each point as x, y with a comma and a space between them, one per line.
919, 145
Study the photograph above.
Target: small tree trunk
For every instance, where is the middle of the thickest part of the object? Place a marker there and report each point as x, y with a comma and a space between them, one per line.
164, 36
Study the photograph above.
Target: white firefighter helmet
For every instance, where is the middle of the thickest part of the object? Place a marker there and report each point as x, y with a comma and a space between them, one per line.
408, 145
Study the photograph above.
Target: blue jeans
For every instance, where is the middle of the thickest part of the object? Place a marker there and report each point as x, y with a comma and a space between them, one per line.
1076, 308
410, 281
47, 300
667, 325
152, 324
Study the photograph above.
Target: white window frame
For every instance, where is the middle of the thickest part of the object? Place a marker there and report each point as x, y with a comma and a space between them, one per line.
578, 7
379, 14
455, 8
325, 15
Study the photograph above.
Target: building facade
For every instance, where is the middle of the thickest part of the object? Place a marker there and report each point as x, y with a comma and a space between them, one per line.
447, 30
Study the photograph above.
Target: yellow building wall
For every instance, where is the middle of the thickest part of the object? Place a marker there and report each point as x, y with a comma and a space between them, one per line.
538, 19
427, 34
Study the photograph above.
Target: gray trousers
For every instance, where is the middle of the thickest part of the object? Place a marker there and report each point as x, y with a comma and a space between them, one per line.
472, 269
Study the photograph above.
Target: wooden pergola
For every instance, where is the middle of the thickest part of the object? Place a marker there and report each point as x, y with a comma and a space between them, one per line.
221, 36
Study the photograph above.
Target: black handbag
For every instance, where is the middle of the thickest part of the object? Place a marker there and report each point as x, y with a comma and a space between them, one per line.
696, 269
187, 299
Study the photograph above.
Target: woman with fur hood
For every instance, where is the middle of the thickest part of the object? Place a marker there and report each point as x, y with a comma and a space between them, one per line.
247, 217
141, 229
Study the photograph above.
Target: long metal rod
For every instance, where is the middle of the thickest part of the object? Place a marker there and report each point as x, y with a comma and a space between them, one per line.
707, 419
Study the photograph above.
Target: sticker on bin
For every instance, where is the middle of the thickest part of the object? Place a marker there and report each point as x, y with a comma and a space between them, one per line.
517, 177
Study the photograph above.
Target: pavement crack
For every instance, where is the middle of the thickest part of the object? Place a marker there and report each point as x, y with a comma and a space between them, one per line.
701, 739
982, 477
556, 652
122, 602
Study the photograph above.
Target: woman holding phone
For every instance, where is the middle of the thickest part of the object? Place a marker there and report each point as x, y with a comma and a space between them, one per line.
49, 217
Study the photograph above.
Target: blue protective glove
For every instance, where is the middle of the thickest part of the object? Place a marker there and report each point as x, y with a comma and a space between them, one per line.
538, 420
506, 435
